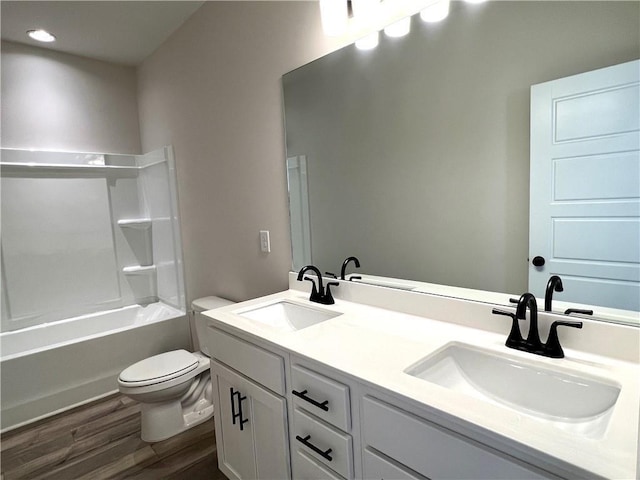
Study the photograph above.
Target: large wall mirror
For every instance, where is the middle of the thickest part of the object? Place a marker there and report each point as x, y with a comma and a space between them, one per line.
415, 156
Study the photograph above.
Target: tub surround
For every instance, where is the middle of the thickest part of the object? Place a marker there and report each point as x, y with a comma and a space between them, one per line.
382, 332
93, 279
62, 211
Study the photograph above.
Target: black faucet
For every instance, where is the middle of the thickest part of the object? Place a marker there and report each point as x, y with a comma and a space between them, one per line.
514, 340
554, 284
344, 267
533, 344
318, 295
552, 348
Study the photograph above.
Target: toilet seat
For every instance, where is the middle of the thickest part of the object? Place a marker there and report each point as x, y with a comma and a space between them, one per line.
159, 369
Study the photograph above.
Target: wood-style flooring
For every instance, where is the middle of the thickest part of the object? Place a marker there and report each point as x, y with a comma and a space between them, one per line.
102, 440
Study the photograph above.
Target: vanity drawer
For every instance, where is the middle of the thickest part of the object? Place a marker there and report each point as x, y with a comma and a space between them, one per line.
323, 397
306, 468
375, 466
313, 437
434, 451
256, 363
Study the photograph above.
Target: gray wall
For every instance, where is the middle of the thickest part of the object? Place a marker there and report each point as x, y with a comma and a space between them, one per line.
213, 91
56, 101
418, 151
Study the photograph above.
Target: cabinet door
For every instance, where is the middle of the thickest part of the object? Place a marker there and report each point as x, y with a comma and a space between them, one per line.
235, 447
251, 428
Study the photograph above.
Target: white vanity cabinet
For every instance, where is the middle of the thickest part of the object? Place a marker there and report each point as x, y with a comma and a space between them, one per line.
334, 401
322, 443
250, 409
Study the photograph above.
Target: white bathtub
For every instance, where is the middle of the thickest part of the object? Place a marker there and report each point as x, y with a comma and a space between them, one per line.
50, 368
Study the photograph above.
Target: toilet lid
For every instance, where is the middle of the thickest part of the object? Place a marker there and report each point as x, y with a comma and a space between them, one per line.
159, 368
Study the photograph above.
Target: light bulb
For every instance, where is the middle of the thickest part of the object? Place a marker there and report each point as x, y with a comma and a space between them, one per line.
41, 35
399, 28
334, 15
365, 9
367, 43
435, 12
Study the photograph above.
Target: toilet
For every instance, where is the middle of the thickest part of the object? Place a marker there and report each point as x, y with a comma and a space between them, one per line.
173, 388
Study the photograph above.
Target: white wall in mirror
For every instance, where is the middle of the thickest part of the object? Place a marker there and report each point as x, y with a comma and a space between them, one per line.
418, 151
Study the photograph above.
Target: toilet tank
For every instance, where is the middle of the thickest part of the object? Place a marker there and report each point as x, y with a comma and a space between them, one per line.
199, 321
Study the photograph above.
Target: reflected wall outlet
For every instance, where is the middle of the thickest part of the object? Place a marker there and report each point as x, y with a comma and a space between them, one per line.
265, 243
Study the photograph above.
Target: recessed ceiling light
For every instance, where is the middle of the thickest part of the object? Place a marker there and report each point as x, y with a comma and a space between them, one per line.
41, 35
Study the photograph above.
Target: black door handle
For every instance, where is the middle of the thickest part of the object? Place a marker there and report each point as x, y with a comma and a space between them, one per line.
234, 415
303, 395
538, 261
237, 415
305, 441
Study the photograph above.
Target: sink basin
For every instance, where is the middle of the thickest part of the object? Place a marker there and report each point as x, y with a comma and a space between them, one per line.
526, 387
288, 315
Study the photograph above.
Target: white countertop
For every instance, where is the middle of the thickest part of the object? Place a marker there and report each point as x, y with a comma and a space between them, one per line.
375, 346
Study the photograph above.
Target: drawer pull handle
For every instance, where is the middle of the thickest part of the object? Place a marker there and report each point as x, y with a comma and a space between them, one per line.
305, 441
303, 395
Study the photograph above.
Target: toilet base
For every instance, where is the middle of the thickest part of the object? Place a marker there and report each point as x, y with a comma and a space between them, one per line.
162, 421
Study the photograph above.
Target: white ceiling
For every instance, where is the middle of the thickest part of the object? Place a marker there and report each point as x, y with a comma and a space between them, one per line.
124, 32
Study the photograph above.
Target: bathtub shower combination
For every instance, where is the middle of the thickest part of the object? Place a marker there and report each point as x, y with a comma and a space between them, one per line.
92, 276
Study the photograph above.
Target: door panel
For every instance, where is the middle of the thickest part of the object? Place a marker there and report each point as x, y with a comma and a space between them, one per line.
610, 111
585, 186
618, 173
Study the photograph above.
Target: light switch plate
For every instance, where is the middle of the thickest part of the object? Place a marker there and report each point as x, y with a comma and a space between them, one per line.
265, 243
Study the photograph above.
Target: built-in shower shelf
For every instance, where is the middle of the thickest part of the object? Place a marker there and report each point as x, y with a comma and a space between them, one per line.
139, 223
139, 270
56, 170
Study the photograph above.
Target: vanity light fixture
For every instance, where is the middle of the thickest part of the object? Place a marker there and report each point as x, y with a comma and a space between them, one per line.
371, 16
399, 28
435, 12
364, 12
368, 43
335, 17
41, 35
